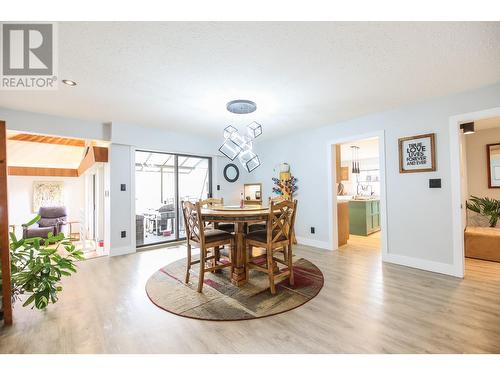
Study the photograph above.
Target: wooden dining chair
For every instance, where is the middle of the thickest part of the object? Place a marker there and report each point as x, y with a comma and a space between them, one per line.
205, 239
209, 202
262, 226
278, 237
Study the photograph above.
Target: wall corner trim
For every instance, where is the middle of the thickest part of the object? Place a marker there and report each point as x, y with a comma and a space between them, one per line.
423, 264
314, 243
124, 250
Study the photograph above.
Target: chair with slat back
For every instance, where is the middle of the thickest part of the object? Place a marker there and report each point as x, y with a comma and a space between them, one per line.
209, 202
206, 239
262, 225
278, 237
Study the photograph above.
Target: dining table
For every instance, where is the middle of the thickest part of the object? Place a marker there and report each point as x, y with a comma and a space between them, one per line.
241, 217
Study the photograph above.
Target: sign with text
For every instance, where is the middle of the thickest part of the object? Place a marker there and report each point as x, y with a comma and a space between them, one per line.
28, 58
417, 154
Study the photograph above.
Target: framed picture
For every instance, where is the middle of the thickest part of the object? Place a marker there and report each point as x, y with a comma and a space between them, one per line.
493, 155
417, 153
47, 194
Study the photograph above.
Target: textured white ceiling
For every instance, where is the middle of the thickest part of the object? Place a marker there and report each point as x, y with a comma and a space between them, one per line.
179, 76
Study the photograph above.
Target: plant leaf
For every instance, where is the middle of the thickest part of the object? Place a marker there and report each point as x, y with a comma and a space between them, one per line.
33, 221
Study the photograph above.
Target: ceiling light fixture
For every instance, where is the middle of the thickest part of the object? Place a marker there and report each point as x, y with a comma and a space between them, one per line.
69, 82
241, 106
467, 128
241, 146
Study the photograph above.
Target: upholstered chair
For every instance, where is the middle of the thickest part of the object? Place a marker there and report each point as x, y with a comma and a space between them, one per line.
52, 219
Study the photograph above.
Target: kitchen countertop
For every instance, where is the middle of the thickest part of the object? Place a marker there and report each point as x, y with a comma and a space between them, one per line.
349, 198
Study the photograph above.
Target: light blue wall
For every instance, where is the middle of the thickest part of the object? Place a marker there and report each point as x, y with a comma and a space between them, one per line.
419, 218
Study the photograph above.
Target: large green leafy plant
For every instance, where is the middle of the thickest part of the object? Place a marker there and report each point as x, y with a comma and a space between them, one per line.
37, 267
488, 207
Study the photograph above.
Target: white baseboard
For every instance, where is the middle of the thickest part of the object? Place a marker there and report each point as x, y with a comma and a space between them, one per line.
314, 243
122, 250
422, 264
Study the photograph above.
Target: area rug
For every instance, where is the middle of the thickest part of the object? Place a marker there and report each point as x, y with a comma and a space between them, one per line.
223, 301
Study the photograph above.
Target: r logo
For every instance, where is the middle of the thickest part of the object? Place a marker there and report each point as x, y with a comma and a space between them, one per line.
27, 50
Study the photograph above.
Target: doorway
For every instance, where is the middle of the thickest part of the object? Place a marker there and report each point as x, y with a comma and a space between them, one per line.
358, 192
58, 176
479, 185
358, 210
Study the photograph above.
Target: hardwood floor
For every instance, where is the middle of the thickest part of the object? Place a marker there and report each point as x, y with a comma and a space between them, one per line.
364, 307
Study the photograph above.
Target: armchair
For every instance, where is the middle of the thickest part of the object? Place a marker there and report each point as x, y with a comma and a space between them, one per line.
52, 219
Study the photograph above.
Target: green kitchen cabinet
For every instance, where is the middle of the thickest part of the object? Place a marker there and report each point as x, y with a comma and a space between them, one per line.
364, 217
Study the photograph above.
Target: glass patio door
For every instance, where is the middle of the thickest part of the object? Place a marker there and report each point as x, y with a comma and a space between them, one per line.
162, 181
194, 181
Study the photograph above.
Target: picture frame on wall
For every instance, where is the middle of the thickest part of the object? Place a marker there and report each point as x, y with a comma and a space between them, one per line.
493, 157
417, 153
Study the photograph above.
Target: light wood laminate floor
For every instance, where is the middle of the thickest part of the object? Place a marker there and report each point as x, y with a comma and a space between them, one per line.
364, 307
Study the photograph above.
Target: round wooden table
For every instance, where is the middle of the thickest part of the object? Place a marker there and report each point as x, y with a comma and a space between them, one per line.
240, 217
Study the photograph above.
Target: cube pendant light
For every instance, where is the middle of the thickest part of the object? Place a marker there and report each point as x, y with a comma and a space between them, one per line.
241, 146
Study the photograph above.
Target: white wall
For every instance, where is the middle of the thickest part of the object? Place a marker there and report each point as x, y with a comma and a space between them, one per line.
20, 190
419, 219
152, 139
122, 205
54, 125
230, 191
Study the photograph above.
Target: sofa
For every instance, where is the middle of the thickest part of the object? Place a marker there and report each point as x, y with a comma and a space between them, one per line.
52, 219
482, 243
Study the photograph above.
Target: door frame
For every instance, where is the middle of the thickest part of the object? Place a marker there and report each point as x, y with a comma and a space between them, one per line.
455, 140
4, 229
332, 196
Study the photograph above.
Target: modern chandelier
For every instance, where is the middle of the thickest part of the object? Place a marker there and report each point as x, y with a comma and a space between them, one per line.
238, 145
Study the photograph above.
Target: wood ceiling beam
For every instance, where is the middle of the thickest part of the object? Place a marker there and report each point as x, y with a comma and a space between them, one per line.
24, 137
37, 171
94, 155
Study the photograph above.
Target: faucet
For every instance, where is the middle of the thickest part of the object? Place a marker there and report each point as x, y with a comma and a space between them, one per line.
364, 188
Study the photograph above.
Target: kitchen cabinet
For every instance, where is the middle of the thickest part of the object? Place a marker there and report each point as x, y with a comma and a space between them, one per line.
343, 222
364, 217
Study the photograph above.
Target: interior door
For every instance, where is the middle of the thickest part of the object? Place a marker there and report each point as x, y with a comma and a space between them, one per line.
6, 305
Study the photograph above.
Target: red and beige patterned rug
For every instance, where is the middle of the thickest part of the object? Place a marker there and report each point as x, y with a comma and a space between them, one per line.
222, 301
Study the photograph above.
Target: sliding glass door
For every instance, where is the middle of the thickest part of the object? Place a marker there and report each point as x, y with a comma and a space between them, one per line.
194, 182
162, 181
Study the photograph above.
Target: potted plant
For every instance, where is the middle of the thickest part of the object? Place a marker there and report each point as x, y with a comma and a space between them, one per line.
487, 207
38, 265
